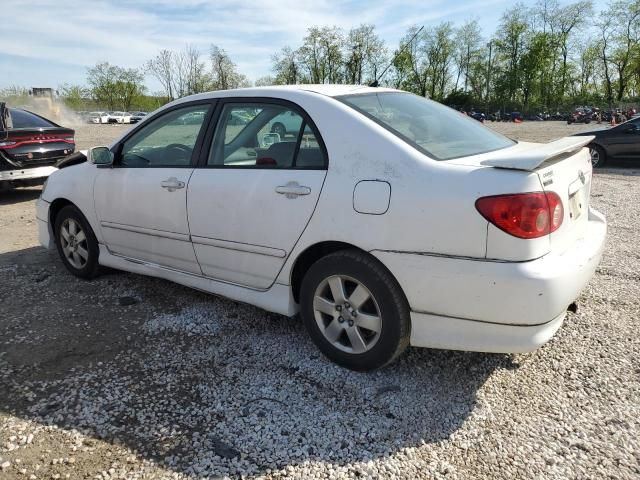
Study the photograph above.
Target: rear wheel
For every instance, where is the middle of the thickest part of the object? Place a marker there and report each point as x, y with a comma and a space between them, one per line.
598, 156
76, 243
279, 129
355, 311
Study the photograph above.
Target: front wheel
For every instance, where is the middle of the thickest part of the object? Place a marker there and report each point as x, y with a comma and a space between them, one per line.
76, 243
598, 156
355, 311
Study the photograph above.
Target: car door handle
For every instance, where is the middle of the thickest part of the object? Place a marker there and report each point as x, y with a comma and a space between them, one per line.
293, 189
172, 184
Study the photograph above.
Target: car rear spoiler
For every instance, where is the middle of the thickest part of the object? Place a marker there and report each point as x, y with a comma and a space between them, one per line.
531, 158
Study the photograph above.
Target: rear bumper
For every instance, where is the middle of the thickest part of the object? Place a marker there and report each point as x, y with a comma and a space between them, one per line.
449, 293
26, 173
433, 331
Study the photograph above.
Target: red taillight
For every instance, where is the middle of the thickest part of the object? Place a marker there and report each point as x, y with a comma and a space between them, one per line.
523, 215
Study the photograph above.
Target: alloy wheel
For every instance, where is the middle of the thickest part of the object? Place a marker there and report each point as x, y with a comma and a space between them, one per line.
74, 243
595, 156
347, 314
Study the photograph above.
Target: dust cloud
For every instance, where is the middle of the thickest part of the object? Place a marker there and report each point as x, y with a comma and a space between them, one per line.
54, 110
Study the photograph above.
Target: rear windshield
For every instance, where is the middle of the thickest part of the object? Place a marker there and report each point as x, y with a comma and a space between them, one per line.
24, 119
437, 131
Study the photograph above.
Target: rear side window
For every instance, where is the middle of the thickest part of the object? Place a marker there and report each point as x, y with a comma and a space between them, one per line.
438, 131
24, 119
262, 135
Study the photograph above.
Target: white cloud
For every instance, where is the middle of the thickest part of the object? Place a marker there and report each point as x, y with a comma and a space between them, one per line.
128, 33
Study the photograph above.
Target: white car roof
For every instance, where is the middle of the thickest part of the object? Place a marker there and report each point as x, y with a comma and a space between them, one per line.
329, 90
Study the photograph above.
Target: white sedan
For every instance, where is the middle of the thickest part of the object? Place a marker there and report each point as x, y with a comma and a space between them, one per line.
386, 220
120, 117
98, 117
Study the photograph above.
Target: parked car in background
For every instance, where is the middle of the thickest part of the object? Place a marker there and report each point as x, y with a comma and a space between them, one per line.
30, 146
387, 219
119, 117
285, 124
98, 117
137, 116
190, 118
580, 116
479, 116
617, 143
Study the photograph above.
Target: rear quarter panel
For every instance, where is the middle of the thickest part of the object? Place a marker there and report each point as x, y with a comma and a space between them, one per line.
432, 206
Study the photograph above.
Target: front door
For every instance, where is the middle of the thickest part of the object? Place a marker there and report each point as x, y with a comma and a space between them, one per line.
141, 202
250, 203
624, 142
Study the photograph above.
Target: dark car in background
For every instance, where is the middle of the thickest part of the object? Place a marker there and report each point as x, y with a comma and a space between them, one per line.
137, 116
617, 143
30, 147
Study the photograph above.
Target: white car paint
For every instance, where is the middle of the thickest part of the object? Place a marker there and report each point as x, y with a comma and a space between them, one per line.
120, 117
470, 285
99, 117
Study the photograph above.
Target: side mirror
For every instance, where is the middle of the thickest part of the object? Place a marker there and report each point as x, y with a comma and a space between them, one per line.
100, 156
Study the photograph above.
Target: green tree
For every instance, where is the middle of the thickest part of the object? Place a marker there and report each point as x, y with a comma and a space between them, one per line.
74, 96
320, 55
365, 54
285, 67
224, 72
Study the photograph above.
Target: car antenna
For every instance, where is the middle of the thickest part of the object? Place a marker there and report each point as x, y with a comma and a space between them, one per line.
376, 82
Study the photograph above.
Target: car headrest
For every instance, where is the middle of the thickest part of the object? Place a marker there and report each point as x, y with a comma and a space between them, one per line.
278, 154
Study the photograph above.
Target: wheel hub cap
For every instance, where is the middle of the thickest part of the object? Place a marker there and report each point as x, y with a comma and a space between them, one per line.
347, 314
74, 243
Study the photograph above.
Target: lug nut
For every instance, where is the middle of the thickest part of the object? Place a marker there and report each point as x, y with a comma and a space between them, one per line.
346, 305
351, 323
340, 319
339, 308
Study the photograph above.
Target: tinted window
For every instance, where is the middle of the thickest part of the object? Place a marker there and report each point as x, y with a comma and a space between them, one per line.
167, 141
264, 136
438, 131
24, 119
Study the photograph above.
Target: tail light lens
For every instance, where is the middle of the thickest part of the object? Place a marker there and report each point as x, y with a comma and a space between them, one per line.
523, 215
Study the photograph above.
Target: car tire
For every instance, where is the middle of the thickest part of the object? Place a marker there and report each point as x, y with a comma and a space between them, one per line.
367, 324
76, 243
279, 129
598, 155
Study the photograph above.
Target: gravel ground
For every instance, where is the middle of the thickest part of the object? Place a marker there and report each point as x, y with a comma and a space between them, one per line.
133, 377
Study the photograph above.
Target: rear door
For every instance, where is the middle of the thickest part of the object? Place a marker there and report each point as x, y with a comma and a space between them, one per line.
254, 192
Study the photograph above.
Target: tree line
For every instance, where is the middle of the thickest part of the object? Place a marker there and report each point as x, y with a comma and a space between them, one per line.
545, 57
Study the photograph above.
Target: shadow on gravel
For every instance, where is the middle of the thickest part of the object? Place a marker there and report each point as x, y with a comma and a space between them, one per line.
19, 195
206, 386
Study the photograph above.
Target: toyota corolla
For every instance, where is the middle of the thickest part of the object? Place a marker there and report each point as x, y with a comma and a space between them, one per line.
385, 219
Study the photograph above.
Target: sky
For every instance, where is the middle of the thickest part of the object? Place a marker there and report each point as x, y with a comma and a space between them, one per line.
50, 43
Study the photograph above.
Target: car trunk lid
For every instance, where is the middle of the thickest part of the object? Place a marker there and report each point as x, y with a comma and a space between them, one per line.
563, 167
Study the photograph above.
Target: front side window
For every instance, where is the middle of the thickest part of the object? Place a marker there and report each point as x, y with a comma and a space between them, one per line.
259, 135
437, 131
167, 141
